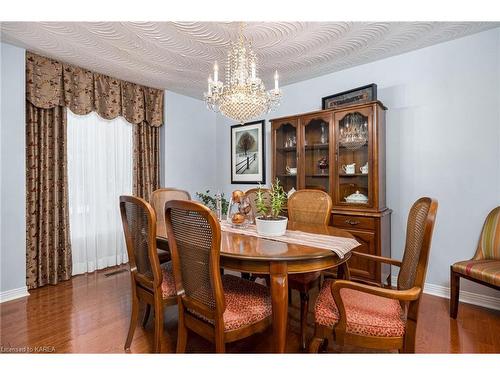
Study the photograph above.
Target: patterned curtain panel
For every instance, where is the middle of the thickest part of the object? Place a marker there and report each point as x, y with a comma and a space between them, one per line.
146, 173
48, 255
51, 86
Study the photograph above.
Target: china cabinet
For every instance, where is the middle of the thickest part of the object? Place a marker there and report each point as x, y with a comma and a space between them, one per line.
342, 152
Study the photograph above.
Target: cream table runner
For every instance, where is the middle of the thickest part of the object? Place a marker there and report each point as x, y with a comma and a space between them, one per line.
339, 245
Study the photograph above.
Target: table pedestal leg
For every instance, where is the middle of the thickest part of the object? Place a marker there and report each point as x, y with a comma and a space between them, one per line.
279, 296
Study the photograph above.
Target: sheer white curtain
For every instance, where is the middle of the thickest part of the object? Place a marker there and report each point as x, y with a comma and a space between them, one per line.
99, 171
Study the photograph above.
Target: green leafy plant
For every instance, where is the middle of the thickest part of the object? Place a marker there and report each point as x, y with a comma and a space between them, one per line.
278, 198
211, 202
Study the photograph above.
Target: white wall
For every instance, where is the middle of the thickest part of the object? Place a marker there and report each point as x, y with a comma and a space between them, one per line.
443, 138
12, 172
187, 145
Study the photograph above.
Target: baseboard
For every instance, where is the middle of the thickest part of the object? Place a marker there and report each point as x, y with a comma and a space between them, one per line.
466, 297
9, 295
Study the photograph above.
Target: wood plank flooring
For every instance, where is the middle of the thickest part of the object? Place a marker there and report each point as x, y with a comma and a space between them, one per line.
90, 314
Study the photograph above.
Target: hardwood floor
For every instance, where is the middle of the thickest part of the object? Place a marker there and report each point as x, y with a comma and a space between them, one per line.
90, 314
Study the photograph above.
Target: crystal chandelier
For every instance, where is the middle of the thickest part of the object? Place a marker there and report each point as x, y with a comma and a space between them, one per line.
243, 96
354, 132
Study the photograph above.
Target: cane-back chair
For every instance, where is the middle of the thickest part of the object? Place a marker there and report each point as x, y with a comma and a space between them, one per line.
219, 308
376, 317
158, 199
311, 207
251, 194
152, 283
484, 267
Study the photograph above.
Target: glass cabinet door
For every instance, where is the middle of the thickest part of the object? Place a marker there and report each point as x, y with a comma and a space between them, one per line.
285, 153
316, 160
353, 162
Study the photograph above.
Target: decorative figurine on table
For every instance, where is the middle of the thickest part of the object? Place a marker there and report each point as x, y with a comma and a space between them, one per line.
323, 164
239, 213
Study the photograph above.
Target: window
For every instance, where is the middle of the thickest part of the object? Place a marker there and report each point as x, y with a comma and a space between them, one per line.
99, 171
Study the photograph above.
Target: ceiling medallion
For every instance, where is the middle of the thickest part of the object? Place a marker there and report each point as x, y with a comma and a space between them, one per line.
242, 96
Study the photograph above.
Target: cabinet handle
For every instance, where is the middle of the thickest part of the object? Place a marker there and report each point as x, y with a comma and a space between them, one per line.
352, 222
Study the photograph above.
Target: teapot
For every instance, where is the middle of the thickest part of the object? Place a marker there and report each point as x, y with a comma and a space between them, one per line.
349, 168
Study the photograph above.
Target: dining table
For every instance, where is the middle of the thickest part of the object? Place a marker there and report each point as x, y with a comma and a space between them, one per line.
250, 254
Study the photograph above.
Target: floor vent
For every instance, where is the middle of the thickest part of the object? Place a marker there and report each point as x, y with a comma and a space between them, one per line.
115, 272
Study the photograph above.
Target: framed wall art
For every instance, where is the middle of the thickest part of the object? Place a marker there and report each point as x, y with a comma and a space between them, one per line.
248, 164
358, 95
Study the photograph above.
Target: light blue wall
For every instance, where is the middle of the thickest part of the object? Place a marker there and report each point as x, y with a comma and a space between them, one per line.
188, 145
12, 170
443, 138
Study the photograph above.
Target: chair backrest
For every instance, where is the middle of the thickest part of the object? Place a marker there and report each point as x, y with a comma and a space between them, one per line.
194, 238
309, 206
488, 247
139, 227
161, 196
419, 230
251, 194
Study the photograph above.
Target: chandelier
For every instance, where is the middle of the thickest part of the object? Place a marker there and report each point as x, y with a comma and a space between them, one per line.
353, 131
243, 96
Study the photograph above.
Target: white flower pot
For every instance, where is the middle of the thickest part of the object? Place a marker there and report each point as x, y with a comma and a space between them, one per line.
271, 227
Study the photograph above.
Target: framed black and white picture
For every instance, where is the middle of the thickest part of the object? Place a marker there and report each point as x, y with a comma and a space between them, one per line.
248, 163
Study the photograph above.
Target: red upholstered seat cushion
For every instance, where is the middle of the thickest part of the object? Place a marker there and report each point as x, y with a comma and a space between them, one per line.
246, 303
367, 314
304, 278
168, 283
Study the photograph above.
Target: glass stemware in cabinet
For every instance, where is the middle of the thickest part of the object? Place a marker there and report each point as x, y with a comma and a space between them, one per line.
285, 158
316, 154
353, 166
324, 138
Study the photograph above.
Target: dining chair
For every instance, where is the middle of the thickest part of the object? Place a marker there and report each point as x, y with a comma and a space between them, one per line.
376, 317
311, 207
220, 308
152, 283
484, 267
251, 194
158, 199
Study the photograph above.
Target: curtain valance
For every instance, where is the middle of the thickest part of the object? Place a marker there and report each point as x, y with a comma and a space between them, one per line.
50, 83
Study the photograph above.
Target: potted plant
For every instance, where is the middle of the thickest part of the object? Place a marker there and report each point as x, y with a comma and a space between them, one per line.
211, 201
269, 222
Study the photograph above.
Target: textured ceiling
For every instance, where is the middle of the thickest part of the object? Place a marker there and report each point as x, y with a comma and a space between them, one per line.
178, 56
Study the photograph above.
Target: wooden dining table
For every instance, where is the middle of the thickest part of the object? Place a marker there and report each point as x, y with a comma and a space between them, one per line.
250, 254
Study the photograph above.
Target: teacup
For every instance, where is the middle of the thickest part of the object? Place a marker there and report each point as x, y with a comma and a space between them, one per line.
349, 168
291, 171
364, 169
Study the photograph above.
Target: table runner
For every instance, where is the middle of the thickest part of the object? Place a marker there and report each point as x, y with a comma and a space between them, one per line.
339, 245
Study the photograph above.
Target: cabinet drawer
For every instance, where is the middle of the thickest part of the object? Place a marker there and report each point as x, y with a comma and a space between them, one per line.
353, 222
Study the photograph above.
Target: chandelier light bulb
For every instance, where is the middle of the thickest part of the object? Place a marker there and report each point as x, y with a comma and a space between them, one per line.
216, 72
